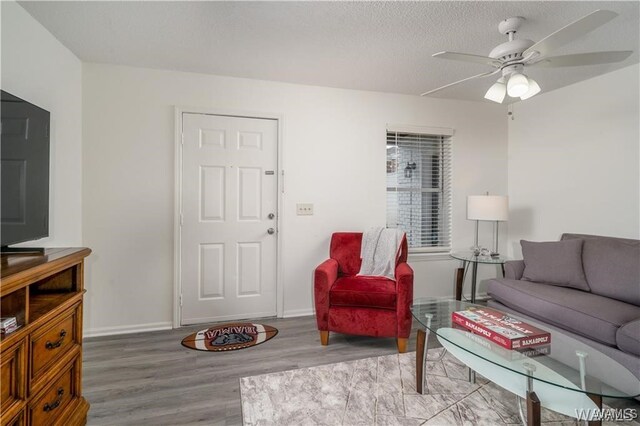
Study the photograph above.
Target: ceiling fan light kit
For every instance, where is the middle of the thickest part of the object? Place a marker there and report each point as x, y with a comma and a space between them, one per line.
511, 58
534, 89
518, 85
497, 92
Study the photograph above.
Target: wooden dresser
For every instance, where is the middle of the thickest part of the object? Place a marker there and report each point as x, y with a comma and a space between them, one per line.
41, 362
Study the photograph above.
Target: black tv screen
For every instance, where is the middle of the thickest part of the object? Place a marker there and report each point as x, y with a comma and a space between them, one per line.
24, 170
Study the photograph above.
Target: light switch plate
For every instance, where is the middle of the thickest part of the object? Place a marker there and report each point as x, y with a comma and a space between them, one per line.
304, 209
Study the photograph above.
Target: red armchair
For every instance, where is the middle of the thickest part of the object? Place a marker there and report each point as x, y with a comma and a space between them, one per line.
366, 306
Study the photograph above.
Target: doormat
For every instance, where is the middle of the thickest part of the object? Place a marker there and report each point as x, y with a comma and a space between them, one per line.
229, 337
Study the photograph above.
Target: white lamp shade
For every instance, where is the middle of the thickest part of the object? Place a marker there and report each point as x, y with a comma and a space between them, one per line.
488, 207
517, 85
497, 92
534, 89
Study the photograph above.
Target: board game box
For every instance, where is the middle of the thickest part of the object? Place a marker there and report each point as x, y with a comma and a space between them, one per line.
504, 330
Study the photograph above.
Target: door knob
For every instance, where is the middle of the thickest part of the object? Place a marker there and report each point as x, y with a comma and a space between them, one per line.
271, 231
271, 215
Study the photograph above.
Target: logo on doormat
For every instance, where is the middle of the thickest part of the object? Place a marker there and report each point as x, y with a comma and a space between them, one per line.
229, 337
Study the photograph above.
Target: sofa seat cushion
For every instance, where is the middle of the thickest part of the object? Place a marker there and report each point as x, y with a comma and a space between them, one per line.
595, 317
366, 292
628, 337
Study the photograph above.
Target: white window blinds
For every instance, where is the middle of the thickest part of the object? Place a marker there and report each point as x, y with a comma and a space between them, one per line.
419, 188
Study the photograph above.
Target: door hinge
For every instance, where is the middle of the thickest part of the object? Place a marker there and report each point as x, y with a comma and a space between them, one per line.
181, 219
180, 299
182, 138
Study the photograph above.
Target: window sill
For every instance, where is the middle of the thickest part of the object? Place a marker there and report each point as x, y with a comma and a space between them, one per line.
428, 257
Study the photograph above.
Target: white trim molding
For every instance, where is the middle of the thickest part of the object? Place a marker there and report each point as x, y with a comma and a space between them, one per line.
127, 329
293, 313
424, 130
429, 257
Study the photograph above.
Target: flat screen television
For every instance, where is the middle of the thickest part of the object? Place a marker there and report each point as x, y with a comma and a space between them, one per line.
24, 170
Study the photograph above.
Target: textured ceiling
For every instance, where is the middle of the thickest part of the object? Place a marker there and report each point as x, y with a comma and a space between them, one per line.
381, 46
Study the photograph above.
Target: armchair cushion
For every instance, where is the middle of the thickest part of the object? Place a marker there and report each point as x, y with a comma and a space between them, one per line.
345, 248
364, 292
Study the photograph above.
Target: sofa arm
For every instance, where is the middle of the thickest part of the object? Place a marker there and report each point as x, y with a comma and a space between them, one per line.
513, 269
324, 277
404, 288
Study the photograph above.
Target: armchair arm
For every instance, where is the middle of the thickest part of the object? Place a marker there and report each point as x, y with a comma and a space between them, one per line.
513, 269
324, 277
404, 287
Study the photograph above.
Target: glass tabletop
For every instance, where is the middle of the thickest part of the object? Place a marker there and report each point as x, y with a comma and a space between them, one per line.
468, 256
565, 362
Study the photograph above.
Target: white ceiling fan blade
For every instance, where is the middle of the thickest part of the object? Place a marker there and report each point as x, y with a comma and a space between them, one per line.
571, 32
593, 58
484, 74
467, 57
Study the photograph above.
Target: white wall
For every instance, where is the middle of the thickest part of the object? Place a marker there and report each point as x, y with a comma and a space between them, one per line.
38, 68
333, 155
574, 161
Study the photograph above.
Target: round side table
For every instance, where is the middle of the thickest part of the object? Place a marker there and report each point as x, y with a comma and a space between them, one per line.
467, 257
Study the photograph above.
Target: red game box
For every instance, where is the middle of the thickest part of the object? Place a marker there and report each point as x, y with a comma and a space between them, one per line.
506, 331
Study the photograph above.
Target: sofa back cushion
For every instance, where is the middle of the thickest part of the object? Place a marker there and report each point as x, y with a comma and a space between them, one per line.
556, 262
345, 248
611, 266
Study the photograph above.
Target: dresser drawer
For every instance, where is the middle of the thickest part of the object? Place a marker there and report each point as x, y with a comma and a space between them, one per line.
12, 378
49, 406
52, 341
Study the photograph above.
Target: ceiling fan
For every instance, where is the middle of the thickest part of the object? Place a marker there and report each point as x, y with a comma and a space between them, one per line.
512, 57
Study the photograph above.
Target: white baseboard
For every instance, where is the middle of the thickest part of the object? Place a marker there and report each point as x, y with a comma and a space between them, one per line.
298, 313
127, 329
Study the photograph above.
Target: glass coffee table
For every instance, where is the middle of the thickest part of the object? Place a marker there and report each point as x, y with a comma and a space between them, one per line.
569, 376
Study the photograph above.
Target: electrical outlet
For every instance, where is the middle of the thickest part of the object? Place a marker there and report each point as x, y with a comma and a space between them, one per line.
304, 209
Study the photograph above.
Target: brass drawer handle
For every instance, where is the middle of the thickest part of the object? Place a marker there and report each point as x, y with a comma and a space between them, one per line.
56, 344
55, 404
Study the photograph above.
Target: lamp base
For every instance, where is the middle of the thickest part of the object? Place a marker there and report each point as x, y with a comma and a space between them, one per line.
494, 254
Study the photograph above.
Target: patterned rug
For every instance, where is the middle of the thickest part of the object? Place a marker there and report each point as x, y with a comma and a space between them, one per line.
229, 337
380, 391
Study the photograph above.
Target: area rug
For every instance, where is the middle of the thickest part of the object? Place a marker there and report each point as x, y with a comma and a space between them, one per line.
229, 337
380, 391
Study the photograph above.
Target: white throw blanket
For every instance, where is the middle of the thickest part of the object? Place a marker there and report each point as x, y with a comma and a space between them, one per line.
379, 252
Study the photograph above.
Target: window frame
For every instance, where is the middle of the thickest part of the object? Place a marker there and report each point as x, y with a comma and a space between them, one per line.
446, 180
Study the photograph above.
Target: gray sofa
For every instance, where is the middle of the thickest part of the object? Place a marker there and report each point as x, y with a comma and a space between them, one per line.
607, 317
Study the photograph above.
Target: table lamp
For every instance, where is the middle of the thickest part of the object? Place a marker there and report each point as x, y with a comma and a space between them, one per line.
493, 208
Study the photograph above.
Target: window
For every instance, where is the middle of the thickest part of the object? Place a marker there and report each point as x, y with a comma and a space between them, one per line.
419, 188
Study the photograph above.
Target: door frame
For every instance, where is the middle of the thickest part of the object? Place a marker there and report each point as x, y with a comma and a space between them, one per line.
177, 238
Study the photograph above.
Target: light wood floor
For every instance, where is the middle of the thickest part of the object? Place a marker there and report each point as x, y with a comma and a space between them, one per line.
151, 379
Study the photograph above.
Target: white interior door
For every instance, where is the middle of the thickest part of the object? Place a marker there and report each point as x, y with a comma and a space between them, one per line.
229, 209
